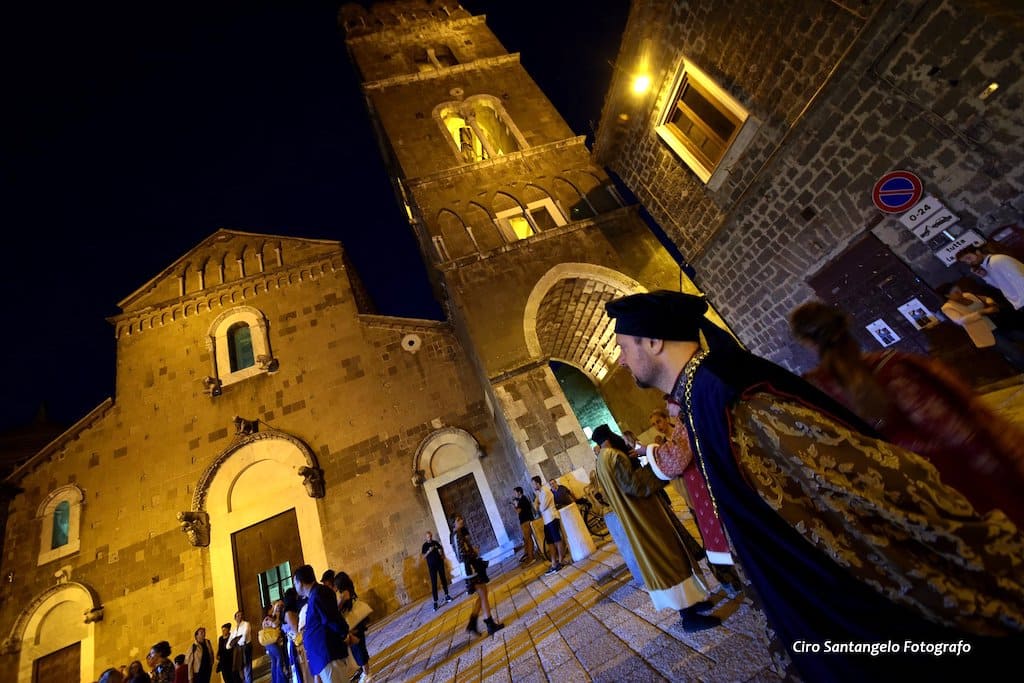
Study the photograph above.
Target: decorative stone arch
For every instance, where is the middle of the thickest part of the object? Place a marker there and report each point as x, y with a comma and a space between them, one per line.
578, 206
60, 616
596, 347
484, 225
256, 477
74, 497
442, 457
217, 344
458, 238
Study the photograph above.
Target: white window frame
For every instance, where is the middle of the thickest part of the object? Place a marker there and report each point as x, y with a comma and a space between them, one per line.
74, 496
218, 344
715, 175
505, 226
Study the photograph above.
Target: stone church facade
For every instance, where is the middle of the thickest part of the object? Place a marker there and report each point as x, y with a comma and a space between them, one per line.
264, 418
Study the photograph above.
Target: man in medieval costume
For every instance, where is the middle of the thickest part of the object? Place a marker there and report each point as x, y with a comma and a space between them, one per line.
665, 567
865, 564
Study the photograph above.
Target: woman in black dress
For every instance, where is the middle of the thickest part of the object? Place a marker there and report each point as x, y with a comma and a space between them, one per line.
476, 576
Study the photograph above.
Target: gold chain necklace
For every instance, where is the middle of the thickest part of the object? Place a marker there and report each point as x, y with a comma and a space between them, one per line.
689, 371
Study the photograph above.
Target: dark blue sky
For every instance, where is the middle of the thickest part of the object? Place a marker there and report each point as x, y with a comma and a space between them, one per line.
140, 128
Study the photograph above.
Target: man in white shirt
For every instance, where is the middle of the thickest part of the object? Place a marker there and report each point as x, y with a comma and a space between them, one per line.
552, 530
1002, 271
240, 644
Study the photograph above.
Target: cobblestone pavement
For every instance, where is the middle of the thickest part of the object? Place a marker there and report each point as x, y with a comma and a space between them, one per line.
583, 624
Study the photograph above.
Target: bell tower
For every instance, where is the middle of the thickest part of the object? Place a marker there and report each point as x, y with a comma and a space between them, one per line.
524, 236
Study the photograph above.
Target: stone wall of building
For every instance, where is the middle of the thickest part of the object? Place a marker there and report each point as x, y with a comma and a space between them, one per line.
904, 95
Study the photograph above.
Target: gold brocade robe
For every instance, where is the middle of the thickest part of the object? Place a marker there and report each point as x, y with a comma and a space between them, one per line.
666, 569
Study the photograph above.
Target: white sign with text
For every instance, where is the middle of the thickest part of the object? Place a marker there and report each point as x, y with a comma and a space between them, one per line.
948, 253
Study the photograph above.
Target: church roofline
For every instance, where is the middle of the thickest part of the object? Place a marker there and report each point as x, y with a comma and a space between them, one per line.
392, 322
69, 434
217, 235
367, 33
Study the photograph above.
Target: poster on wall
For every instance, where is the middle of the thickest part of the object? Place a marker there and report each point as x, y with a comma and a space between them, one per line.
884, 334
918, 315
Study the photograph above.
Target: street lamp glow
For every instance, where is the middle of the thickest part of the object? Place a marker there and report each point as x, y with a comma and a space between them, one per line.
641, 84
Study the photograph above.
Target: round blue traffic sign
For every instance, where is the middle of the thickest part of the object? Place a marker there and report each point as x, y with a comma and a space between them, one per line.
896, 191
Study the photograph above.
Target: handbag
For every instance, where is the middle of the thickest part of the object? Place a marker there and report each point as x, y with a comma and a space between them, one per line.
268, 636
360, 611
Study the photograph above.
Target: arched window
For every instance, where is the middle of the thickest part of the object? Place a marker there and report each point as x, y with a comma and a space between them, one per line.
60, 515
61, 522
478, 128
240, 347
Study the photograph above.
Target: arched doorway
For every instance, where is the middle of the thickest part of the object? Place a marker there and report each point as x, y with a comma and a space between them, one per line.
447, 463
55, 634
262, 513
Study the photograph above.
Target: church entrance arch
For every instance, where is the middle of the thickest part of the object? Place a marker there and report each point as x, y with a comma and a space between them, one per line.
56, 633
258, 478
448, 465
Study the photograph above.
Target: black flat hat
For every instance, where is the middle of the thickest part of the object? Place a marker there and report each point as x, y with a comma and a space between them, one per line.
659, 315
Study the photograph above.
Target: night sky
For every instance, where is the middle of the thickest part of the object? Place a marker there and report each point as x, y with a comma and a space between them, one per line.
135, 130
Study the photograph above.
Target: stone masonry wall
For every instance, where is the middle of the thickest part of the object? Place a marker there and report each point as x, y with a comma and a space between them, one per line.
905, 97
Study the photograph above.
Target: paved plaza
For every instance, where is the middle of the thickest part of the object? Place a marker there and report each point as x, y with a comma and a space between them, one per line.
589, 622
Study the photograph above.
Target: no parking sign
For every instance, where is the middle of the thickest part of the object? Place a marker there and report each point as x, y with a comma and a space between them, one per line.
896, 191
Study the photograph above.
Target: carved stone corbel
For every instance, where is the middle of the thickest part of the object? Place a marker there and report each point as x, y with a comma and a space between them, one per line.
94, 614
196, 525
313, 480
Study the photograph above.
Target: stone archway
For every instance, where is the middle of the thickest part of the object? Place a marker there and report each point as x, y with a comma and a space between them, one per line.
256, 478
61, 616
443, 458
565, 320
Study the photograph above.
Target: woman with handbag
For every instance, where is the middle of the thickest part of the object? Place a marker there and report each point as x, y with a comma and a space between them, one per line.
271, 639
357, 614
476, 576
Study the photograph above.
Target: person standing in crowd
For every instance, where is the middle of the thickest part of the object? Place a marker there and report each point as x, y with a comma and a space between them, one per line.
524, 509
674, 459
806, 492
476, 577
111, 675
661, 422
180, 669
357, 614
562, 495
552, 529
240, 642
433, 555
225, 656
971, 312
918, 403
159, 661
324, 631
665, 567
275, 651
290, 627
137, 674
999, 270
199, 658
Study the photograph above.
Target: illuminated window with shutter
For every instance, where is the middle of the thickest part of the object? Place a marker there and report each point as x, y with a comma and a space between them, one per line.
61, 521
701, 122
61, 517
240, 347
